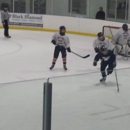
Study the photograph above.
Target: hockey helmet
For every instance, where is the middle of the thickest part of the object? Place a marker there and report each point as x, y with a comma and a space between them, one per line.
125, 27
62, 30
62, 27
101, 36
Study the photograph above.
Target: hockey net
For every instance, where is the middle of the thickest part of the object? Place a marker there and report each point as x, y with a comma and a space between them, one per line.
110, 31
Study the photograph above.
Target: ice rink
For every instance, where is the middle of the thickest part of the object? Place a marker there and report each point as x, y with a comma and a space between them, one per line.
80, 102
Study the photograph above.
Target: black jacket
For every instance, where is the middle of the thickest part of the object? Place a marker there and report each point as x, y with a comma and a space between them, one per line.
100, 15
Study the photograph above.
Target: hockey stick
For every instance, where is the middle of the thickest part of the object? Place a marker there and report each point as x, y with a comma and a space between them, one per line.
117, 81
80, 55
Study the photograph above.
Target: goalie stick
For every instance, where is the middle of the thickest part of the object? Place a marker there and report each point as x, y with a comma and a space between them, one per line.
80, 55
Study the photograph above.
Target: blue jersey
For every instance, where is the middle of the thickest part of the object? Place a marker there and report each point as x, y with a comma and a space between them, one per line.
109, 57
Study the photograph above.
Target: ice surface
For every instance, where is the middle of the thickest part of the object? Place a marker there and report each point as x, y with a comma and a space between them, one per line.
80, 102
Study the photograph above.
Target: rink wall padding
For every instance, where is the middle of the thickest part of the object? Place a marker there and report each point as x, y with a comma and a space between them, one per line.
74, 25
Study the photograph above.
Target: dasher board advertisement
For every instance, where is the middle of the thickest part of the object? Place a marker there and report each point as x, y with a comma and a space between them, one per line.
19, 19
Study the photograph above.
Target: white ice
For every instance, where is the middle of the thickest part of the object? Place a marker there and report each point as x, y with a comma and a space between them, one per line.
80, 102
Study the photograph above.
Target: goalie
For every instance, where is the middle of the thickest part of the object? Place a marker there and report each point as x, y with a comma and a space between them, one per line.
122, 40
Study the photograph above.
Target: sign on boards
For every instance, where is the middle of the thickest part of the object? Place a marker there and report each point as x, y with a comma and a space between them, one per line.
19, 19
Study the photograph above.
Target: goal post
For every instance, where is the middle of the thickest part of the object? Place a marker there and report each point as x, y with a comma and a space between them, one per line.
110, 31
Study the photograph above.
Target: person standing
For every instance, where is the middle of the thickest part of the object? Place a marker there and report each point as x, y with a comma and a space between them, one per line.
100, 14
62, 43
5, 20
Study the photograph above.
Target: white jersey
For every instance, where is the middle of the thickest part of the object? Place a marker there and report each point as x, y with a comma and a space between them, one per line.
98, 43
122, 37
61, 40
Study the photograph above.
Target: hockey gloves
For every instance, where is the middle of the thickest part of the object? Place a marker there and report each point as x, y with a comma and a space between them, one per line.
96, 50
114, 64
94, 63
68, 49
53, 42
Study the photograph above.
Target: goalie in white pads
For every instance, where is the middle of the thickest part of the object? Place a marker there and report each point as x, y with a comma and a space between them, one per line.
101, 41
122, 39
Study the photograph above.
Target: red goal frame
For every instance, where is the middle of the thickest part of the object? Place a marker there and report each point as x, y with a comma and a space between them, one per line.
110, 28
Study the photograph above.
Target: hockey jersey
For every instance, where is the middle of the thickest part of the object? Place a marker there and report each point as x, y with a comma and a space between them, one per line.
98, 43
110, 57
122, 37
61, 40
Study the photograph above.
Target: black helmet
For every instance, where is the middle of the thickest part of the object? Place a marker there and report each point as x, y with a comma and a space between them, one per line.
100, 34
102, 49
125, 27
62, 28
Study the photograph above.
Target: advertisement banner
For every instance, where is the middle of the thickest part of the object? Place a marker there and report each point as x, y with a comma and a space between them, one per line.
19, 19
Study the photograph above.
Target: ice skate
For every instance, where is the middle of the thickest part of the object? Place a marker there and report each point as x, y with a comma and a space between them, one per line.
64, 66
8, 36
103, 79
52, 67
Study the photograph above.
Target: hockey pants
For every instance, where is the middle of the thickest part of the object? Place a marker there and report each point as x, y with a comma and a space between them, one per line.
103, 67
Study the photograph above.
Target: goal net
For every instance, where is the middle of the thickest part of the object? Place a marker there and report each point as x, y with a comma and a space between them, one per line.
110, 31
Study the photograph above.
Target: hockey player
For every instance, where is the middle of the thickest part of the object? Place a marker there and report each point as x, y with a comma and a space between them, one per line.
122, 37
108, 58
5, 19
101, 41
61, 42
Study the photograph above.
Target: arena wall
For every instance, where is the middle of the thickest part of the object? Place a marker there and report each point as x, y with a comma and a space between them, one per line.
74, 25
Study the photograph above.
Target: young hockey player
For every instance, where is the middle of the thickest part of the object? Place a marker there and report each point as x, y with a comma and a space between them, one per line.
61, 42
101, 41
108, 58
5, 19
122, 37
